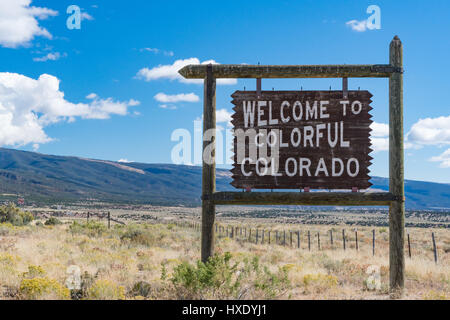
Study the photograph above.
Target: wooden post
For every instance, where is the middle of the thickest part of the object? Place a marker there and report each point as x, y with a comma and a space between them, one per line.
284, 237
309, 240
373, 242
434, 248
250, 235
256, 238
409, 247
298, 239
318, 240
109, 220
356, 239
262, 238
209, 165
331, 237
269, 236
88, 216
276, 237
290, 237
343, 237
396, 173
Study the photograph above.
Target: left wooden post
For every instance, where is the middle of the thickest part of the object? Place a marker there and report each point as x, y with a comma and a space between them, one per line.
209, 165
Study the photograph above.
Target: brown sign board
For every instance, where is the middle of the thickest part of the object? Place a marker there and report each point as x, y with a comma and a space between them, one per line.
301, 139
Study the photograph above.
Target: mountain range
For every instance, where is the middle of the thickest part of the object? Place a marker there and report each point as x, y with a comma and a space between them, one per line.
41, 178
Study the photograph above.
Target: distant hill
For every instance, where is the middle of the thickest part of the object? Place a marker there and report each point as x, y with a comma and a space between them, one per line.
51, 179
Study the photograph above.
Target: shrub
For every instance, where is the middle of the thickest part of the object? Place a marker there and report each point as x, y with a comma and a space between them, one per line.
219, 278
91, 228
43, 288
140, 289
138, 236
52, 221
33, 272
13, 215
106, 290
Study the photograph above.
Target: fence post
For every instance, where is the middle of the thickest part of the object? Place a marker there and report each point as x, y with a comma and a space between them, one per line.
434, 248
284, 237
356, 239
343, 237
409, 247
373, 242
256, 238
262, 238
276, 236
88, 216
318, 240
269, 236
109, 220
331, 237
298, 239
290, 238
309, 240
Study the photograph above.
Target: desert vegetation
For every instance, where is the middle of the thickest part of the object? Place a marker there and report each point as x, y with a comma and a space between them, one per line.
160, 260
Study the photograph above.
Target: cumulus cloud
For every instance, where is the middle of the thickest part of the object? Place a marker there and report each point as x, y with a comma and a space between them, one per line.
430, 131
182, 97
359, 26
379, 136
28, 105
170, 72
223, 116
19, 23
444, 159
52, 56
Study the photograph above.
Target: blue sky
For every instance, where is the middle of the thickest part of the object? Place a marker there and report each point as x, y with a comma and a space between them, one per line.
112, 68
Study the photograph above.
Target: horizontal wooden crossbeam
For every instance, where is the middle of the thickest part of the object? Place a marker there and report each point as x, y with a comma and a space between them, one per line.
303, 198
290, 71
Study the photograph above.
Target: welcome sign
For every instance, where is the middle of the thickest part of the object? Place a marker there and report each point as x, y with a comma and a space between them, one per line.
301, 139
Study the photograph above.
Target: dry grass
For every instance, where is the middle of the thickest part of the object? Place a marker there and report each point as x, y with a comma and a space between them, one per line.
116, 261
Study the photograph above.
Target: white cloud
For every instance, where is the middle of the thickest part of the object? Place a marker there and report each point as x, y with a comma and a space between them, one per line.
182, 97
168, 106
379, 136
124, 161
86, 16
171, 72
223, 116
28, 105
444, 159
157, 51
19, 22
359, 26
430, 131
52, 56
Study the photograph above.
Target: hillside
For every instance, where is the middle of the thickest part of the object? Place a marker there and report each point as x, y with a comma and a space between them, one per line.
47, 178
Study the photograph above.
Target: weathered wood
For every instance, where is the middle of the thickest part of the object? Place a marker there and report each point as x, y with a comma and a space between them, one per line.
298, 239
331, 237
209, 166
338, 124
318, 240
109, 220
396, 173
303, 198
409, 247
343, 238
434, 248
356, 240
290, 71
373, 242
309, 240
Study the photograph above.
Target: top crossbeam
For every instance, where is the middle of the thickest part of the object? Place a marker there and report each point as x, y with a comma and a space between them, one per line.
290, 71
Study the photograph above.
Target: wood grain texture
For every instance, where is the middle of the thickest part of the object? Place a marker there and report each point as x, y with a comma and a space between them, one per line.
396, 173
303, 198
356, 130
289, 71
209, 168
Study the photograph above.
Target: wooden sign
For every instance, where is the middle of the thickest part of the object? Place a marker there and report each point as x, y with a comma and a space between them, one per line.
301, 140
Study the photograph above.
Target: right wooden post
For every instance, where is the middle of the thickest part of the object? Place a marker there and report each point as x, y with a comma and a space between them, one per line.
396, 172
